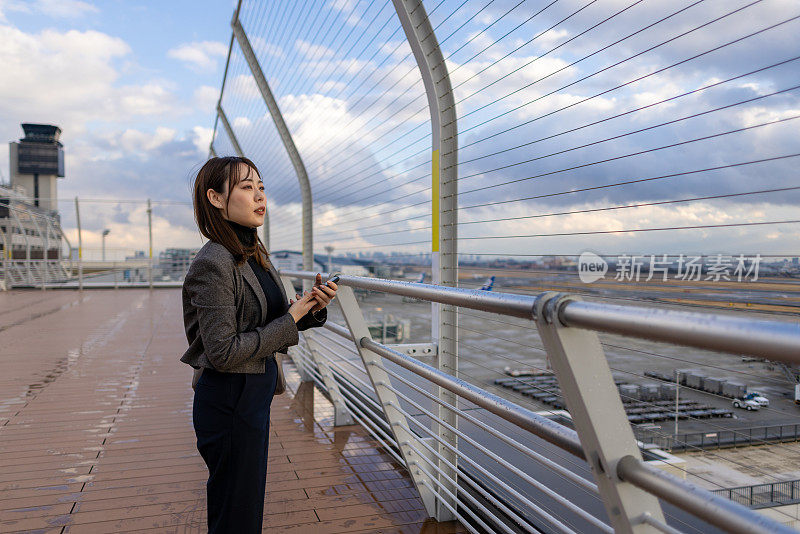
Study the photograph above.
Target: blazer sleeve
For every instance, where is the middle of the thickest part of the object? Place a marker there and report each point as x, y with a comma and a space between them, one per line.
210, 289
309, 320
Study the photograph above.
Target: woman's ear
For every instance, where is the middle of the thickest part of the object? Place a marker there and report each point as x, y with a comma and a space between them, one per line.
215, 199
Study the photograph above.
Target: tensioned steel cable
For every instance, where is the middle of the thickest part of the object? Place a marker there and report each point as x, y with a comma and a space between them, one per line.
414, 68
632, 154
614, 43
287, 50
581, 33
530, 18
440, 4
303, 74
396, 187
594, 232
638, 108
596, 95
504, 392
638, 180
280, 75
604, 140
354, 42
627, 83
573, 191
624, 156
631, 111
612, 89
626, 206
571, 212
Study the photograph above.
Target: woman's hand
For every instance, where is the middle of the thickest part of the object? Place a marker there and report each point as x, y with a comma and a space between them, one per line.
298, 308
323, 293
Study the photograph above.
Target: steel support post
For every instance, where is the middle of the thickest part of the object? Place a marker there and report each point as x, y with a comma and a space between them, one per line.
341, 414
150, 237
212, 153
381, 384
43, 239
288, 143
238, 149
444, 200
80, 246
6, 257
597, 413
29, 277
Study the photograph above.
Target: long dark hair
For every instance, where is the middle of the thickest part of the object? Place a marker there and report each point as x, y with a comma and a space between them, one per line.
212, 175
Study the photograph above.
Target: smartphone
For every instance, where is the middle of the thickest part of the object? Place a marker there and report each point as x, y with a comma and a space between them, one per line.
335, 279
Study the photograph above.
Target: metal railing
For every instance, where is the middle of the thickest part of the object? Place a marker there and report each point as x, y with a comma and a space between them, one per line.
382, 391
721, 438
764, 495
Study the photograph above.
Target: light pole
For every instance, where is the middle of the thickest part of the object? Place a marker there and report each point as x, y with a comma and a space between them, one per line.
677, 387
105, 233
329, 250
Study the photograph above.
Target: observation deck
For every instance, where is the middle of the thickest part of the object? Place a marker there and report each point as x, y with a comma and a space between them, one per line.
96, 431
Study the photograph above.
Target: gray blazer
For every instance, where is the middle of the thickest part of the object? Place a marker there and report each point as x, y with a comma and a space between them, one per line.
225, 314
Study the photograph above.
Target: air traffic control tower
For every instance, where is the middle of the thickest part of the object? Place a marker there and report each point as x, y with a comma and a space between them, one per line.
37, 161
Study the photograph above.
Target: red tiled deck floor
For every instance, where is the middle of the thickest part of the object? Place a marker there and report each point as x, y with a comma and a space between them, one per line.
96, 434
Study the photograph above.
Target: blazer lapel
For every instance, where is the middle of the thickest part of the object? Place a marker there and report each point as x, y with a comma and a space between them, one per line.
250, 276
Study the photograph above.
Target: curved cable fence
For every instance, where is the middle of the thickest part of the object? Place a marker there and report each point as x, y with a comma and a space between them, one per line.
632, 152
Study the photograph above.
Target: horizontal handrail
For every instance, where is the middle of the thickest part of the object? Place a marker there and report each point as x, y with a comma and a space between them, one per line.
502, 303
773, 340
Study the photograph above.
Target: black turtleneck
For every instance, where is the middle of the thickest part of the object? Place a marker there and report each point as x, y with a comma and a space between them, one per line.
276, 306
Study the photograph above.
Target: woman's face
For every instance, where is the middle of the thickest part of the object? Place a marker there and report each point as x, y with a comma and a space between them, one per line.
247, 203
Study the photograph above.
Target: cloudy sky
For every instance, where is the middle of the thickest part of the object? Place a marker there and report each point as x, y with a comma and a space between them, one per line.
133, 86
618, 126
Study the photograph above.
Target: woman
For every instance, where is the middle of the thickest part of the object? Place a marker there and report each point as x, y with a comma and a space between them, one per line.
237, 317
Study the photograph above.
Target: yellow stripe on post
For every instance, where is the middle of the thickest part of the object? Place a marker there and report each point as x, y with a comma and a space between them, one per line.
435, 202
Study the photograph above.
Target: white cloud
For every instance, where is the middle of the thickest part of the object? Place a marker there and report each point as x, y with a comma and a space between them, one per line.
263, 48
241, 122
205, 97
202, 138
70, 78
243, 86
200, 55
138, 142
312, 50
50, 8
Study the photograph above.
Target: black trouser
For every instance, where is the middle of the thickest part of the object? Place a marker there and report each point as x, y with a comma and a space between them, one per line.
231, 421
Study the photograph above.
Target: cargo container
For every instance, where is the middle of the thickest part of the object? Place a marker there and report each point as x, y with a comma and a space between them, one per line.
684, 373
649, 392
629, 392
667, 391
695, 380
713, 385
734, 390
